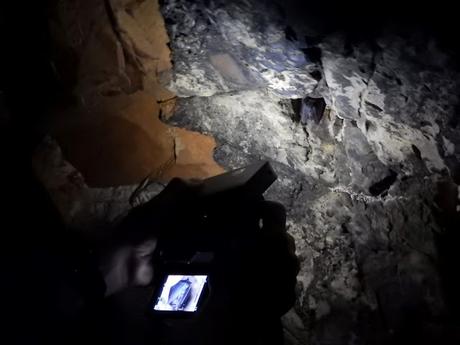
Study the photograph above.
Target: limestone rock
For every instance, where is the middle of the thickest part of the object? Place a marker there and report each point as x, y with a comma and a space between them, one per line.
233, 116
221, 46
358, 183
397, 97
361, 183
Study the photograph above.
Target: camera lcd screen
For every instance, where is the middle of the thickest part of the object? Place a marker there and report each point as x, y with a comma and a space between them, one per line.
181, 293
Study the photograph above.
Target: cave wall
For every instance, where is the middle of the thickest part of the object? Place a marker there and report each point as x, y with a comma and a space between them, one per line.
359, 182
370, 183
107, 137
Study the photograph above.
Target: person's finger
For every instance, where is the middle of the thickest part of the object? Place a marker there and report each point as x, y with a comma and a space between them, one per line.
146, 248
143, 267
115, 270
143, 274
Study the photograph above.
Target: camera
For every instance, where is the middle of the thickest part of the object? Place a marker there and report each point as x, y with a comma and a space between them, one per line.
196, 253
181, 293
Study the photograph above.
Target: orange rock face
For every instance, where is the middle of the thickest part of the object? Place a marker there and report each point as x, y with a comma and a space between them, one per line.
123, 141
115, 136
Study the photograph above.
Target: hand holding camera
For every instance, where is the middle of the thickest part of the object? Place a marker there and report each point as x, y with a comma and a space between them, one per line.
219, 253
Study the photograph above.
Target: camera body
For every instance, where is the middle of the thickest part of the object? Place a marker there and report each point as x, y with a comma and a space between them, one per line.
197, 252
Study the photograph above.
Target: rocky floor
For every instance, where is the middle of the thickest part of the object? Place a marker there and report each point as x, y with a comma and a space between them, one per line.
363, 135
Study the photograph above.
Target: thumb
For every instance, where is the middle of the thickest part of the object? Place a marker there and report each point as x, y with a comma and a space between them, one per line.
143, 263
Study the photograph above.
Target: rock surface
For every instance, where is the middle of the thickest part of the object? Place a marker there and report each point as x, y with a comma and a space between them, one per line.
112, 132
84, 207
361, 182
359, 185
223, 46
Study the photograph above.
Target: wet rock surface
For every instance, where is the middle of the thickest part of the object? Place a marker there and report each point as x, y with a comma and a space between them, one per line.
359, 182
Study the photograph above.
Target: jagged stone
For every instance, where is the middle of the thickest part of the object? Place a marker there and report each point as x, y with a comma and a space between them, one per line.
90, 210
221, 46
358, 183
242, 120
397, 97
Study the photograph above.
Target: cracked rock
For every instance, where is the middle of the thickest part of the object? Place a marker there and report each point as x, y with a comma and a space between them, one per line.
360, 174
221, 46
358, 181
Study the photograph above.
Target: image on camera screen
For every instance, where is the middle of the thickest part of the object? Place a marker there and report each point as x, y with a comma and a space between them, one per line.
181, 293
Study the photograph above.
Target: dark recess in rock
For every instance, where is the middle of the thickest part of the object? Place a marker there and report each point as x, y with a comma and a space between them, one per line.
455, 117
316, 75
369, 125
312, 54
348, 49
382, 186
290, 34
454, 167
374, 106
312, 109
170, 21
417, 152
296, 106
311, 41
